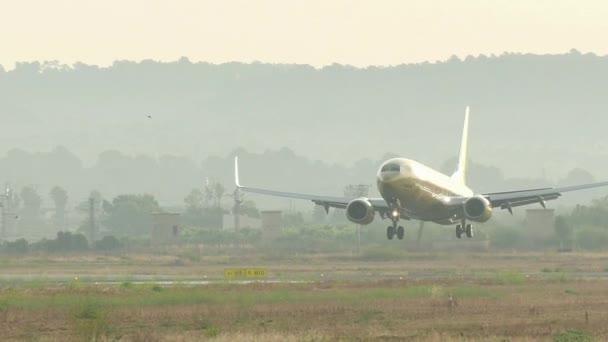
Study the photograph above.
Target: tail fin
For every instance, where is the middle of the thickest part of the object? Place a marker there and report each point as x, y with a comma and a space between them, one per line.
236, 172
461, 170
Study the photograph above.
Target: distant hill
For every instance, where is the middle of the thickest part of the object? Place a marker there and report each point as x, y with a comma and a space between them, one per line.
170, 178
532, 116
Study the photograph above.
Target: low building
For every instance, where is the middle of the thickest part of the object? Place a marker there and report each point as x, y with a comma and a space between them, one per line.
165, 228
244, 221
272, 224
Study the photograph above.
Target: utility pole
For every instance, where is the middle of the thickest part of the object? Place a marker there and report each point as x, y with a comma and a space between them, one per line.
4, 204
6, 208
92, 219
356, 191
236, 210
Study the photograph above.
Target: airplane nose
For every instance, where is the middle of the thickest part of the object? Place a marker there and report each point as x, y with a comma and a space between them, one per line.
387, 176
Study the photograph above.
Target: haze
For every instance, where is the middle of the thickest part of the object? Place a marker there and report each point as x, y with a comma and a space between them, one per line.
535, 117
313, 32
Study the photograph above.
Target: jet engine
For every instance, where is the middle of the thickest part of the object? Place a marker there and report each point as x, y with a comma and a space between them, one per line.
360, 211
478, 209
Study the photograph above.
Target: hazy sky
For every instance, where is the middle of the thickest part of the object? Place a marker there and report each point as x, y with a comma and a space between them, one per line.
317, 32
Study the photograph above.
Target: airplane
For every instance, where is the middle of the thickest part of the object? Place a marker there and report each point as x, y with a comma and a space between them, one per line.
413, 191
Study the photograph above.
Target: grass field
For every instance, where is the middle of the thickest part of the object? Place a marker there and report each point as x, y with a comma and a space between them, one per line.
351, 311
500, 298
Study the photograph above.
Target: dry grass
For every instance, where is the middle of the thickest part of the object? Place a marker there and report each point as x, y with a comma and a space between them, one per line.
490, 299
387, 310
173, 265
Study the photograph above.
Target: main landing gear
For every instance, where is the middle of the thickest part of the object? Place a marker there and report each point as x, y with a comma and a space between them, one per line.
393, 230
464, 228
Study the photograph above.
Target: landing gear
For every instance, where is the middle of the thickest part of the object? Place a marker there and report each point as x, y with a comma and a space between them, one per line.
400, 232
395, 215
464, 228
390, 232
469, 230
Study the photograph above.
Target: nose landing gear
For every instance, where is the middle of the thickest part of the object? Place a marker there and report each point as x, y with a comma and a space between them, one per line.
394, 229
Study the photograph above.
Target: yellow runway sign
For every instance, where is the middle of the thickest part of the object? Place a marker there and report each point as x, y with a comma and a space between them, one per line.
232, 273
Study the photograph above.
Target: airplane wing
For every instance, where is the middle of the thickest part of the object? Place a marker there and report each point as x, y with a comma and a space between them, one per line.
508, 200
325, 201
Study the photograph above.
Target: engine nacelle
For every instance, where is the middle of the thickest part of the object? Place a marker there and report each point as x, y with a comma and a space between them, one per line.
360, 211
478, 209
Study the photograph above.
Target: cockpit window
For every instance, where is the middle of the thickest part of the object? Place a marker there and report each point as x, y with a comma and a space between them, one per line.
391, 167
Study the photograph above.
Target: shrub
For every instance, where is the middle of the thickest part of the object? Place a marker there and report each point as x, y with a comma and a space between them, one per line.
65, 242
17, 247
508, 277
573, 336
592, 238
506, 238
108, 243
90, 322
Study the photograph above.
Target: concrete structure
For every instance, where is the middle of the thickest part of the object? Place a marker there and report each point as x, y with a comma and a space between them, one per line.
471, 245
272, 224
244, 222
165, 228
540, 223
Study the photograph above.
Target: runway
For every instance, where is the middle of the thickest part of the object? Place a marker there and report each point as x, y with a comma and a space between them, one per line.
60, 279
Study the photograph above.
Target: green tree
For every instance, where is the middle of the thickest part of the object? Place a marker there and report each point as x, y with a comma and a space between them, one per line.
194, 200
98, 203
197, 214
100, 209
219, 191
108, 243
60, 199
506, 238
249, 208
20, 246
318, 214
131, 215
563, 230
592, 238
595, 215
64, 242
31, 214
31, 201
293, 219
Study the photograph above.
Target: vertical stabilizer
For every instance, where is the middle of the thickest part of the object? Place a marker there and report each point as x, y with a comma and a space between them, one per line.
461, 170
236, 172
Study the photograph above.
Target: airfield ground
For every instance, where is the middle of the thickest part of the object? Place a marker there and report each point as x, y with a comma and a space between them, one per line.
422, 297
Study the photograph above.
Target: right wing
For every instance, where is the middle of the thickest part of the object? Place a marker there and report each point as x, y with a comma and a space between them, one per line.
326, 201
507, 200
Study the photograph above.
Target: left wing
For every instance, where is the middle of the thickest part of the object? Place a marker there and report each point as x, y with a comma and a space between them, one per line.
508, 200
326, 201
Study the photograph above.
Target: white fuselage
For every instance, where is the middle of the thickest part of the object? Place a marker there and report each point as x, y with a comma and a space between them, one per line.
421, 192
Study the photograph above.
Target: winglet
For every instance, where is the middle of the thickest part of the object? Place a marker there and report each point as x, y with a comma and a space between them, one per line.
236, 172
461, 170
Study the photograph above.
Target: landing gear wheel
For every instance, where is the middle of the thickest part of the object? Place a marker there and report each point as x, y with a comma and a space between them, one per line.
390, 232
469, 230
458, 231
400, 232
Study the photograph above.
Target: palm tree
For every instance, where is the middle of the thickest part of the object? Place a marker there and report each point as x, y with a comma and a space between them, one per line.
219, 193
